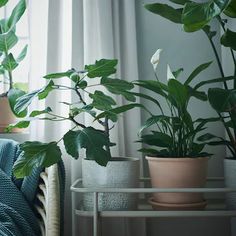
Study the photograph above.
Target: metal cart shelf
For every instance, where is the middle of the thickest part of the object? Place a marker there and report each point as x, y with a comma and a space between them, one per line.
215, 207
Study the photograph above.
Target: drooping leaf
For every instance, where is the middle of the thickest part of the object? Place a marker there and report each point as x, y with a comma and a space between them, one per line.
59, 75
197, 94
228, 39
36, 154
17, 13
92, 140
196, 15
8, 40
9, 63
22, 54
101, 101
165, 11
207, 137
21, 124
13, 96
197, 71
43, 93
231, 9
101, 68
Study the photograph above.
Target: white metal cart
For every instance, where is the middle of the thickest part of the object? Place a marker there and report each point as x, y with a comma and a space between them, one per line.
214, 208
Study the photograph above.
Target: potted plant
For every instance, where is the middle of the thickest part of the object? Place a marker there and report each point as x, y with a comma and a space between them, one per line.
98, 167
9, 63
175, 157
198, 16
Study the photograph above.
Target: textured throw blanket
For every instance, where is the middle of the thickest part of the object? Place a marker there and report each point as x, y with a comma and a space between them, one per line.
17, 217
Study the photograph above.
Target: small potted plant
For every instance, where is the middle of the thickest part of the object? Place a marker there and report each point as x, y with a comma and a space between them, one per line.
176, 159
198, 16
9, 63
98, 167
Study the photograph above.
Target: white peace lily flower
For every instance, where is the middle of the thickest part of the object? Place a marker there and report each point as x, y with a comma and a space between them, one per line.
156, 58
169, 73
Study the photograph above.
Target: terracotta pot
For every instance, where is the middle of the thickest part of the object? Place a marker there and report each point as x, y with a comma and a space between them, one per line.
178, 173
6, 115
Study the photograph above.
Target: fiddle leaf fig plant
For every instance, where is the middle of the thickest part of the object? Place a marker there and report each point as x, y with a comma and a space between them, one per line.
174, 133
8, 61
194, 16
99, 104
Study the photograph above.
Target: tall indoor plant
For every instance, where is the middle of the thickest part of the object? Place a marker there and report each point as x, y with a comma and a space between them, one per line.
175, 157
104, 111
9, 63
198, 16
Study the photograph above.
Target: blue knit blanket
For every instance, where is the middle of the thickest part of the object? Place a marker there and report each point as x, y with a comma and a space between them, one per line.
17, 217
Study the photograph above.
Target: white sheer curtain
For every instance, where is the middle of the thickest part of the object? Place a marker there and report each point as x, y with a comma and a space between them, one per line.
71, 33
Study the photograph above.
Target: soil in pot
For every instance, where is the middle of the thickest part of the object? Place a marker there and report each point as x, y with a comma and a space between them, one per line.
178, 173
119, 173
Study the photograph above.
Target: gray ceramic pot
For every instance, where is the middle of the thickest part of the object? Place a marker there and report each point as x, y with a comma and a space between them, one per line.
230, 177
119, 173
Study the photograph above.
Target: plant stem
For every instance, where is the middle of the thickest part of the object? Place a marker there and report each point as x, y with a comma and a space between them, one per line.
76, 122
10, 79
106, 127
80, 96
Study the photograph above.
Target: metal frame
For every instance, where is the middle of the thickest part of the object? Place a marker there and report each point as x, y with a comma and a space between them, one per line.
78, 188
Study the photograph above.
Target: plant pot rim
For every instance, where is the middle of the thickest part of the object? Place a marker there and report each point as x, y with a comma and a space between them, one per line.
117, 159
176, 159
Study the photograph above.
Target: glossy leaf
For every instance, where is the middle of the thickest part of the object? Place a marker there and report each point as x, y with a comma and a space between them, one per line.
17, 13
101, 101
92, 140
8, 40
59, 75
21, 124
3, 2
43, 93
157, 139
228, 39
40, 112
180, 2
13, 96
231, 9
101, 68
36, 154
22, 54
165, 11
197, 94
9, 63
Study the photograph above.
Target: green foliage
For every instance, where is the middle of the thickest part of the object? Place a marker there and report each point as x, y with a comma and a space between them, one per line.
175, 131
198, 16
101, 105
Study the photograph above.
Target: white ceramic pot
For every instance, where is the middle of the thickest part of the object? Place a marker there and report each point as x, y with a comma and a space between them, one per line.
230, 182
119, 173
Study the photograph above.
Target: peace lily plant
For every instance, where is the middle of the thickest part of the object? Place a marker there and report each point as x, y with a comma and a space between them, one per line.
198, 16
9, 62
102, 108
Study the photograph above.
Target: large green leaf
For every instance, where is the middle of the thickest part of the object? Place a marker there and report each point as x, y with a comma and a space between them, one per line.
3, 2
8, 40
222, 100
197, 94
101, 68
24, 101
180, 2
101, 101
228, 39
118, 86
231, 9
13, 96
9, 63
21, 124
112, 113
165, 11
92, 140
197, 71
178, 92
36, 154
196, 15
17, 13
59, 75
157, 139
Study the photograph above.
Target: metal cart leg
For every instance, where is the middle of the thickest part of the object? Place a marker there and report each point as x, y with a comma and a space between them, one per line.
95, 214
233, 226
